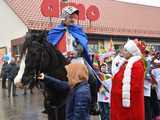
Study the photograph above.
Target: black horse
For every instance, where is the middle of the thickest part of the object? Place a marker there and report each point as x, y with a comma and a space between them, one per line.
41, 56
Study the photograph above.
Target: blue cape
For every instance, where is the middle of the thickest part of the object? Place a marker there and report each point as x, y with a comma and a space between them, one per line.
76, 31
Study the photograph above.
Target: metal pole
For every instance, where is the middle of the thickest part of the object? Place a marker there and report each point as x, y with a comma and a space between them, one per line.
97, 77
50, 17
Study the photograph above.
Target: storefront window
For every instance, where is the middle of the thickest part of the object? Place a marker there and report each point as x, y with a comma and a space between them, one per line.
16, 50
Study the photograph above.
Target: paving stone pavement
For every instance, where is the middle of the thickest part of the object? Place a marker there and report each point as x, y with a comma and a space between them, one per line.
23, 107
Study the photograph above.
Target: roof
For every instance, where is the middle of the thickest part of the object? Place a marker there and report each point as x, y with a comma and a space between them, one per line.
116, 18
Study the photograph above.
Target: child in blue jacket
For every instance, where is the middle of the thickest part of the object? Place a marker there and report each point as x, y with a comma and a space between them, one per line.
79, 98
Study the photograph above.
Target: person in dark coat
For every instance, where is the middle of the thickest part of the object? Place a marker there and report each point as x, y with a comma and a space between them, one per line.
12, 70
4, 74
79, 97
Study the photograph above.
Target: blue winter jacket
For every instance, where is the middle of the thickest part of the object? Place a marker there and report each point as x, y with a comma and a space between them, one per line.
56, 84
78, 104
79, 98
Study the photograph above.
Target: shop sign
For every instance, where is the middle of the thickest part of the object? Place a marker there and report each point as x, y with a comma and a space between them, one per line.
52, 8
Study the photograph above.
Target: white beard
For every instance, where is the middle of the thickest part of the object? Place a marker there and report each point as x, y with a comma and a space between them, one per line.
117, 62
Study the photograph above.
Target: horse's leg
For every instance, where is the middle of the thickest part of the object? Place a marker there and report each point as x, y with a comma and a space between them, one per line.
94, 86
25, 90
51, 115
61, 113
31, 90
51, 112
94, 89
56, 114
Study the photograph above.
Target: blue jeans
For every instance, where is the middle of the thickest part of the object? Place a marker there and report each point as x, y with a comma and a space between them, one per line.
104, 110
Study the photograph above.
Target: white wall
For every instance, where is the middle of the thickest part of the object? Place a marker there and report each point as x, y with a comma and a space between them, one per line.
11, 27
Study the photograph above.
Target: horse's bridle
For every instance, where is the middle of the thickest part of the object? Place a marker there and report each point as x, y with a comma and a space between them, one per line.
35, 71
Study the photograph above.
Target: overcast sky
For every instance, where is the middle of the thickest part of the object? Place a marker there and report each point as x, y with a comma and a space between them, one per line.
145, 2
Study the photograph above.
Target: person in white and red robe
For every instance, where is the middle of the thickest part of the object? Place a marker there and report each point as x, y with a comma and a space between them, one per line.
127, 94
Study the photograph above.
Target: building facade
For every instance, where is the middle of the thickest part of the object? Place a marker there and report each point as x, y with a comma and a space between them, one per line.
12, 27
103, 20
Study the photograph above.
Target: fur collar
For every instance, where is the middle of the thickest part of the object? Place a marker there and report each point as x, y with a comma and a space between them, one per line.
126, 86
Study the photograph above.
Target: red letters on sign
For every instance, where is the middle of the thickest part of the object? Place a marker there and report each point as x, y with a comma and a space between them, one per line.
52, 8
92, 13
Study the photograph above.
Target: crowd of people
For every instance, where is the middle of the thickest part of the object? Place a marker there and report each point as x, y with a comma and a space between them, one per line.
9, 71
132, 83
129, 82
108, 73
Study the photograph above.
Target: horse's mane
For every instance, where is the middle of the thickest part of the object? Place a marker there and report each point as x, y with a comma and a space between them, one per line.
31, 37
56, 61
52, 62
25, 45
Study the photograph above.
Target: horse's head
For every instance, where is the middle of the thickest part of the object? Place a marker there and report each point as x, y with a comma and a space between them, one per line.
41, 56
